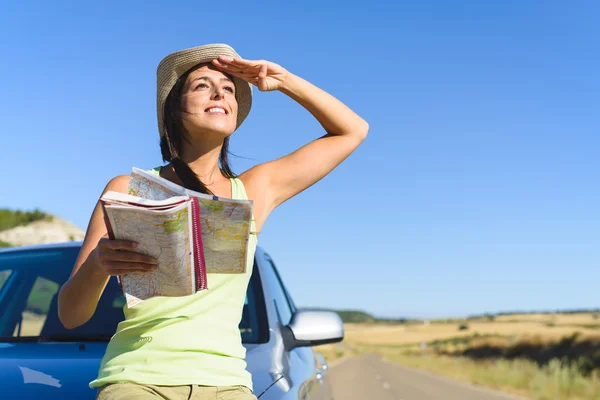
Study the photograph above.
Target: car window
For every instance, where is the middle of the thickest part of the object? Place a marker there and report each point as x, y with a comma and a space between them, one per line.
35, 313
29, 301
277, 290
4, 277
253, 325
285, 291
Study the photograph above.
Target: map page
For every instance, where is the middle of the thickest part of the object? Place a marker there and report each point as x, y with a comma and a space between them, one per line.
225, 223
165, 234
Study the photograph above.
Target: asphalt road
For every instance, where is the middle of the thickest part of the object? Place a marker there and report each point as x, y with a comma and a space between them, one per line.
369, 377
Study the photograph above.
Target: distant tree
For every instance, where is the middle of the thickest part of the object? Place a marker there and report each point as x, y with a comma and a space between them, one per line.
355, 316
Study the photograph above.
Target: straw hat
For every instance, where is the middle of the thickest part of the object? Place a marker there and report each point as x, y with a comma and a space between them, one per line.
176, 64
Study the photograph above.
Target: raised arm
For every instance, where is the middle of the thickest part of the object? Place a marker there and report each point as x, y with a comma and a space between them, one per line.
276, 181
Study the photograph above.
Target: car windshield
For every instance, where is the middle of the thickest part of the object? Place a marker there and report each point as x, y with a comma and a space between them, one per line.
29, 285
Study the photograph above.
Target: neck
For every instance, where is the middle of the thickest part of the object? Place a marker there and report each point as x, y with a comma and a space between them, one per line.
202, 156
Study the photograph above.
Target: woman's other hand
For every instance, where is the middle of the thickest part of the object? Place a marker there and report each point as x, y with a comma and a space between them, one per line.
265, 75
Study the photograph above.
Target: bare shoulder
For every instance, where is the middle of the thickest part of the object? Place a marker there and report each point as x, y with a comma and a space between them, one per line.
97, 226
255, 181
118, 184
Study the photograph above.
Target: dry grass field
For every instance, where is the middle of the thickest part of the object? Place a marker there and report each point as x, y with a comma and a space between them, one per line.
560, 319
394, 335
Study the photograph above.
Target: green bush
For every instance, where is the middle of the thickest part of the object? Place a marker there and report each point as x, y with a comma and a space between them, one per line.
10, 219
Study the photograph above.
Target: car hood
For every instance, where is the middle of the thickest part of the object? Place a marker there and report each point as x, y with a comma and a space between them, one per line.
50, 370
64, 370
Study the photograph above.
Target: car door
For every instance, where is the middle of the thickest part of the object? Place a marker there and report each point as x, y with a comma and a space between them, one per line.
304, 371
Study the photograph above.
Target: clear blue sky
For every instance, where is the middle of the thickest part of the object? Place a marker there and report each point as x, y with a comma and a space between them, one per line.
476, 190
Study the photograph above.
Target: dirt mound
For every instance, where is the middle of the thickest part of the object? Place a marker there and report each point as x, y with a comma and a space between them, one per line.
39, 232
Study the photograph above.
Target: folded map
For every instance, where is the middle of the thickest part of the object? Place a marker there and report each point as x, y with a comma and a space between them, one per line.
191, 235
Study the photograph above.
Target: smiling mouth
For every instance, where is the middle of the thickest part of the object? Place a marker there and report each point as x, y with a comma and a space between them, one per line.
216, 110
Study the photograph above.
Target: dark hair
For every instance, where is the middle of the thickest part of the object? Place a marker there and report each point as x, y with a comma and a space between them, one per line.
170, 143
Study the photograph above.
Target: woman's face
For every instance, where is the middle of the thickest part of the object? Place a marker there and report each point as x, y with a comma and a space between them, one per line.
208, 103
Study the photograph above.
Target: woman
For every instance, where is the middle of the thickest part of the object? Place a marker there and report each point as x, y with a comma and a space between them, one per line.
190, 346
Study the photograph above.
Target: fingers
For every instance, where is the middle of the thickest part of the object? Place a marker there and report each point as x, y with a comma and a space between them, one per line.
127, 257
233, 70
121, 268
240, 62
238, 65
248, 76
118, 257
122, 251
262, 78
245, 74
117, 244
262, 74
226, 66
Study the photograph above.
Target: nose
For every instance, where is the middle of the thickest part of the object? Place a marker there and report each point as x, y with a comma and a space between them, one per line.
218, 93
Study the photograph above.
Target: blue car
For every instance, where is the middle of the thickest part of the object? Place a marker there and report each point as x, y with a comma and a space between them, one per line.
41, 359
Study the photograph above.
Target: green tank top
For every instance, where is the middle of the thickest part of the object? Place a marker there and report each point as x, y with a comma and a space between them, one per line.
188, 340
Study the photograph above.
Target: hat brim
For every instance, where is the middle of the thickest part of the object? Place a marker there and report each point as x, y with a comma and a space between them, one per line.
173, 66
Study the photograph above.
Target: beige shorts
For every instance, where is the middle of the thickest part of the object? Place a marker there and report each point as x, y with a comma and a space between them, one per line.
133, 391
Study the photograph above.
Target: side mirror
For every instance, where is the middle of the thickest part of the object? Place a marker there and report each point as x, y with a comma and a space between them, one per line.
313, 328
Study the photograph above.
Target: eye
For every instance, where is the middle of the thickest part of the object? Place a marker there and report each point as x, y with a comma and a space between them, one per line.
229, 88
201, 85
